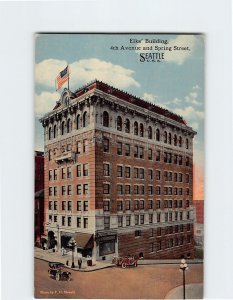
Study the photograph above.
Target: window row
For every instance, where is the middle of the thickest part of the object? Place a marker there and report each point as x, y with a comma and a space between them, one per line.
139, 130
68, 205
81, 189
66, 126
81, 222
170, 243
137, 189
66, 173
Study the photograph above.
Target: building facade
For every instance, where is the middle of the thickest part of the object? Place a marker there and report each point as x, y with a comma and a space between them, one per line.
118, 175
199, 223
39, 197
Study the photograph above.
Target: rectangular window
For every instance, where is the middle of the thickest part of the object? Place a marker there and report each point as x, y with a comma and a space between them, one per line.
150, 174
106, 205
187, 191
128, 220
106, 145
85, 205
187, 203
135, 151
106, 170
158, 175
63, 190
79, 205
79, 172
180, 177
69, 221
119, 205
69, 172
50, 191
85, 189
136, 172
106, 188
175, 159
188, 215
151, 232
128, 189
85, 146
170, 216
79, 189
127, 204
79, 145
136, 219
63, 173
55, 174
50, 175
69, 189
150, 218
180, 160
119, 148
78, 222
158, 155
120, 189
141, 152
170, 203
181, 215
158, 190
120, 221
55, 219
187, 178
50, 205
158, 204
150, 157
158, 217
165, 157
150, 190
127, 149
127, 172
141, 204
136, 204
119, 171
175, 177
180, 203
85, 222
166, 217
138, 233
63, 205
63, 221
106, 222
142, 189
150, 204
141, 219
85, 169
141, 173
55, 205
180, 191
136, 189
69, 205
55, 191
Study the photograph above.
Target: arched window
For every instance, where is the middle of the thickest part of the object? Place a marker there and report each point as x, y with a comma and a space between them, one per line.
135, 128
187, 143
63, 128
141, 131
68, 126
119, 123
149, 132
157, 135
50, 154
54, 131
127, 126
165, 137
85, 123
50, 133
78, 122
175, 140
105, 119
180, 141
169, 138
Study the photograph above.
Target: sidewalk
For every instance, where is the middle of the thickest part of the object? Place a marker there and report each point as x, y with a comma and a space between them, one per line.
192, 291
49, 255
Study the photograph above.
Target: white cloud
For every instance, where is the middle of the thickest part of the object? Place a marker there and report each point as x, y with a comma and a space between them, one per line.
154, 99
45, 102
192, 97
84, 71
170, 54
190, 114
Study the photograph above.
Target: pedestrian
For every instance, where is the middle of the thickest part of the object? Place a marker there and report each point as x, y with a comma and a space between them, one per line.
79, 262
67, 263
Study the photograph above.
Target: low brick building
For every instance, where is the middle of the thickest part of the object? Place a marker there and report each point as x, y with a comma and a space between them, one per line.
118, 175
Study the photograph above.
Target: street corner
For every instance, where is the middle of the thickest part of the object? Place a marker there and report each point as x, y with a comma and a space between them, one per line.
192, 291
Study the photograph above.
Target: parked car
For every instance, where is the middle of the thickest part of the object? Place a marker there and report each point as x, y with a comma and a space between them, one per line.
56, 271
125, 261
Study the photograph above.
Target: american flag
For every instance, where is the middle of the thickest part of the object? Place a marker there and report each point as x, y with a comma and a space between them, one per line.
62, 78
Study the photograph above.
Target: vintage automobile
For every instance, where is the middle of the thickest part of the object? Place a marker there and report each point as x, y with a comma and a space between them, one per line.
125, 261
56, 271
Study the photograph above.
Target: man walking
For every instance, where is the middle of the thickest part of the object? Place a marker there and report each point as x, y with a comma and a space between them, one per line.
79, 262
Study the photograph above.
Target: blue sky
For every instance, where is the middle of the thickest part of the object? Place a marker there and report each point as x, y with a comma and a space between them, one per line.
176, 82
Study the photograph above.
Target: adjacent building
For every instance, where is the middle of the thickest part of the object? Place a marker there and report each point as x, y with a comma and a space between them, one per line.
118, 175
199, 223
39, 197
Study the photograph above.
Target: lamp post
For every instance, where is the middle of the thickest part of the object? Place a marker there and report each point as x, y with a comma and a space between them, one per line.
58, 238
72, 243
183, 267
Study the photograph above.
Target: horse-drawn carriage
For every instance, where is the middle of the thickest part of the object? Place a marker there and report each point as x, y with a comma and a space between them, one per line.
125, 261
56, 271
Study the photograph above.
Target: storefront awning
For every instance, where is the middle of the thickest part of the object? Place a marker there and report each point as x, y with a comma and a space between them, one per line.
84, 240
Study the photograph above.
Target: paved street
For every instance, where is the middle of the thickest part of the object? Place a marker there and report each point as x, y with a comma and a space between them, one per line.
147, 282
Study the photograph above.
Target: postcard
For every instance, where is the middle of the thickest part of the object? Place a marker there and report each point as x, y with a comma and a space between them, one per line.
119, 165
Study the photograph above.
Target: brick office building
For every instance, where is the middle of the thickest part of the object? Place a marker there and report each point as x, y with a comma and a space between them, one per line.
39, 197
118, 175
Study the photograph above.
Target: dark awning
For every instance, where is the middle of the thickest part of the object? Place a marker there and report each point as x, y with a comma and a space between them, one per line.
84, 240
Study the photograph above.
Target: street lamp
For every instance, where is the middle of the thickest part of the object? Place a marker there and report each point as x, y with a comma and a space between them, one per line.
58, 239
72, 244
183, 267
